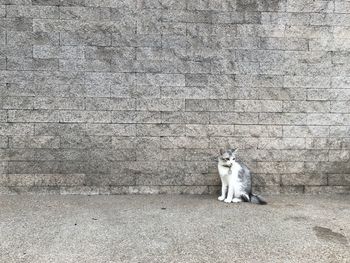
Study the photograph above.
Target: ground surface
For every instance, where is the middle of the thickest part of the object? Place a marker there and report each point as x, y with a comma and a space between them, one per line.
173, 228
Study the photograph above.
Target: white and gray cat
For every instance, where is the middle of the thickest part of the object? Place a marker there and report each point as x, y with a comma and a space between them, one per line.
236, 180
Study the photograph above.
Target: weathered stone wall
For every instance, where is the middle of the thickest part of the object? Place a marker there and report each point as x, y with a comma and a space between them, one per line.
120, 96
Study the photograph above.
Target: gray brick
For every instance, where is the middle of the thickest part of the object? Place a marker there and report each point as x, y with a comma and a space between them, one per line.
32, 38
283, 118
44, 51
14, 63
341, 32
136, 117
285, 143
185, 117
84, 65
20, 24
196, 130
59, 129
310, 32
81, 13
57, 90
328, 119
160, 129
310, 6
11, 129
258, 106
23, 103
284, 43
241, 143
3, 116
4, 142
339, 155
307, 81
280, 167
86, 38
2, 10
83, 142
33, 116
123, 142
330, 19
16, 2
326, 167
161, 79
32, 11
308, 179
340, 57
260, 55
185, 92
160, 104
209, 105
111, 129
258, 131
15, 51
340, 107
85, 116
2, 63
2, 38
221, 130
339, 131
110, 104
154, 4
305, 131
267, 93
329, 94
233, 118
46, 3
77, 25
34, 142
306, 106
59, 103
339, 179
184, 142
246, 30
108, 53
330, 45
258, 81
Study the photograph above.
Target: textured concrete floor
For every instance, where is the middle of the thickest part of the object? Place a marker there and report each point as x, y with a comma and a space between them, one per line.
173, 228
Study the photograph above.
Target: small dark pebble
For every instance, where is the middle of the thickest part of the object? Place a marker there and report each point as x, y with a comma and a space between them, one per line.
75, 224
94, 218
163, 208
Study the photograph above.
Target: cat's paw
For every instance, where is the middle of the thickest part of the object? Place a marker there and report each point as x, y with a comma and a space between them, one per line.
221, 198
227, 200
236, 200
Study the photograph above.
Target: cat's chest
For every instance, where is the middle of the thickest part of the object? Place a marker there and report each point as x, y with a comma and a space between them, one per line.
227, 172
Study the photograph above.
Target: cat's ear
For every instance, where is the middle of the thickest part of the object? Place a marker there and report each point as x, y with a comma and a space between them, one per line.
235, 150
222, 151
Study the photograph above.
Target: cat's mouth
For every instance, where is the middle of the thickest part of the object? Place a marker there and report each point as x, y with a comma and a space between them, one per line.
227, 165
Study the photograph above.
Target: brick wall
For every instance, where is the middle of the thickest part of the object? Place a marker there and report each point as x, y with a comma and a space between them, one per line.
130, 96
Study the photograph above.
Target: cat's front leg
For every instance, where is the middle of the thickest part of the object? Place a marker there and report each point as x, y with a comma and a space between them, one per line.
223, 191
229, 194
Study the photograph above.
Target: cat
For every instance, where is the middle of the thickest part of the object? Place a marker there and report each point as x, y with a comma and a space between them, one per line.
236, 177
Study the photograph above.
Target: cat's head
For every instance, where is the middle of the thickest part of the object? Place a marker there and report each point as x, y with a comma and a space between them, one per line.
227, 157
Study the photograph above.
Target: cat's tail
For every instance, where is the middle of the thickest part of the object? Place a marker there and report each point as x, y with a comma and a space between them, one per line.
255, 199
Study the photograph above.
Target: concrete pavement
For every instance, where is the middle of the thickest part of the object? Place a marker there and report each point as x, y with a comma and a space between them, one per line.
173, 228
